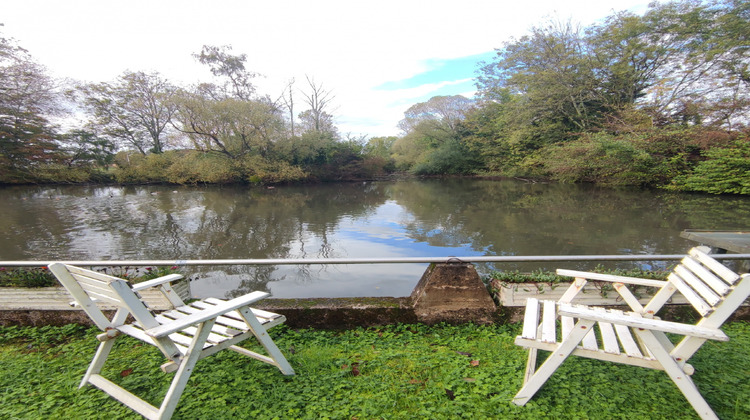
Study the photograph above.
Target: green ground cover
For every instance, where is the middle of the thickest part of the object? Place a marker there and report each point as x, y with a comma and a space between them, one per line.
392, 372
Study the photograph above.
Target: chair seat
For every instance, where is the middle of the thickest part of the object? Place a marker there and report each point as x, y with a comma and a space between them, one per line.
229, 326
544, 329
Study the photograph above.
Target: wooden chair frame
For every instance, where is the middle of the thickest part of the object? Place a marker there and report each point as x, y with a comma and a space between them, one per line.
184, 334
636, 337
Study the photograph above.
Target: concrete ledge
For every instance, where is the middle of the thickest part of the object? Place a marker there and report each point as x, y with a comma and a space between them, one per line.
300, 313
341, 312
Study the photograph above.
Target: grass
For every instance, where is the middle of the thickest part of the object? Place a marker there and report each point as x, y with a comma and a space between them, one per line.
392, 372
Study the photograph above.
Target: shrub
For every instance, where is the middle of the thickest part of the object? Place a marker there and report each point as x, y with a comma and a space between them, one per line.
450, 158
725, 171
596, 157
27, 277
197, 167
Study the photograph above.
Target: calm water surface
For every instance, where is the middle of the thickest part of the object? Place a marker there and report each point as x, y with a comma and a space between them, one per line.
350, 220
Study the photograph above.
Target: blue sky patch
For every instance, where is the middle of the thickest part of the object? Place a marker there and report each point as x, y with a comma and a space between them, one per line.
440, 70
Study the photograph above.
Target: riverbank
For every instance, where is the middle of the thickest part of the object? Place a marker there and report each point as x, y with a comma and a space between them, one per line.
401, 371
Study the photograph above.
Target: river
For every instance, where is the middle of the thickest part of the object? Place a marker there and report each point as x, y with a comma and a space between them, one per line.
416, 218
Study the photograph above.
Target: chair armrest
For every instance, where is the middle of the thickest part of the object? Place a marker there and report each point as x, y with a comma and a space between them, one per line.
206, 314
157, 282
632, 319
610, 278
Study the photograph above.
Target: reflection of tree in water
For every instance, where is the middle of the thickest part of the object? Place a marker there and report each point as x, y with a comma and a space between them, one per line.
512, 218
253, 278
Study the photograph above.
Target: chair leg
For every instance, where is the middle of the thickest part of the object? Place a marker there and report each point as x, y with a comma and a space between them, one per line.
530, 365
677, 374
185, 370
265, 340
102, 352
555, 359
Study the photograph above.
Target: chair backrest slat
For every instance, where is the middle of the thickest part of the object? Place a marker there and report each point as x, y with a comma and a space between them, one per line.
697, 284
703, 281
98, 290
720, 269
717, 284
698, 303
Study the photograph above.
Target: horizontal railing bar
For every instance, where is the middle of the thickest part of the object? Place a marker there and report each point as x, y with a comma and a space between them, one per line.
410, 260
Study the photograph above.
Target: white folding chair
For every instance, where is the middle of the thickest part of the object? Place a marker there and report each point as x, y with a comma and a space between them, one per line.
184, 334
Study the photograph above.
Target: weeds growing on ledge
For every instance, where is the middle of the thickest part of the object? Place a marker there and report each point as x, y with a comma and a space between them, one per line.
393, 372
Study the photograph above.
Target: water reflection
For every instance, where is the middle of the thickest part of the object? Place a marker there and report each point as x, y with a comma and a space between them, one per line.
381, 219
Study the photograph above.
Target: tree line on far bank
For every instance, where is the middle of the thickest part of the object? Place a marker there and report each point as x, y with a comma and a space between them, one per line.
660, 99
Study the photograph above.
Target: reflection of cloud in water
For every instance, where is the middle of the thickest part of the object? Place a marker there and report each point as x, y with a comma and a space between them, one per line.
349, 281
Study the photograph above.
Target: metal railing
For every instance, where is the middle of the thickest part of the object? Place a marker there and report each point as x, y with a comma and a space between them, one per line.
410, 260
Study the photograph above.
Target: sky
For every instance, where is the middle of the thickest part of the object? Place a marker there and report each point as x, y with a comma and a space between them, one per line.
376, 57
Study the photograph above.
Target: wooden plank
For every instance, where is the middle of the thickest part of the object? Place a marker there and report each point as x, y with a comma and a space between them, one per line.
223, 320
628, 343
611, 278
698, 303
575, 287
263, 316
142, 407
531, 319
92, 274
716, 283
609, 337
91, 284
698, 285
567, 326
208, 314
720, 269
628, 297
549, 316
631, 320
592, 354
214, 337
589, 340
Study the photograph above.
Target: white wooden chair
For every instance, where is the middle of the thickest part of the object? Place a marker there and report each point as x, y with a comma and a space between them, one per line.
636, 337
184, 334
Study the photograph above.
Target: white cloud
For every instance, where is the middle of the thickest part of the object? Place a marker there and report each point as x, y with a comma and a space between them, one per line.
349, 46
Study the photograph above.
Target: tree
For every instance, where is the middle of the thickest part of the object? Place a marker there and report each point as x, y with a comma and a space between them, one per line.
228, 118
317, 118
230, 126
135, 110
433, 131
681, 63
443, 113
289, 103
28, 97
380, 146
222, 64
84, 147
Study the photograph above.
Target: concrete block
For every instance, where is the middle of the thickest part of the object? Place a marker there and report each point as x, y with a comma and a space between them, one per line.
452, 293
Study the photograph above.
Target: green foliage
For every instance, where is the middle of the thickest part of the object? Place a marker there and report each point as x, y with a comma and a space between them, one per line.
257, 170
637, 97
398, 371
598, 158
450, 158
27, 277
198, 168
725, 171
